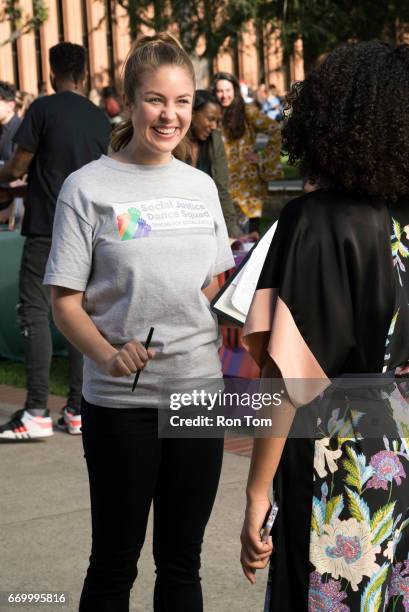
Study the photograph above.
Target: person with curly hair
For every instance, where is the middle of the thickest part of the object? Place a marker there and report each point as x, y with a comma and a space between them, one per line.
332, 303
249, 170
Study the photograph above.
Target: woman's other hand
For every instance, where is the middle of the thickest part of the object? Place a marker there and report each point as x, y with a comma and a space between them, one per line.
254, 553
131, 357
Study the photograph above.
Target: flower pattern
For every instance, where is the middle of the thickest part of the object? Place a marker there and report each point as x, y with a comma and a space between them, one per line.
358, 530
359, 527
323, 455
400, 583
249, 180
325, 595
345, 550
386, 467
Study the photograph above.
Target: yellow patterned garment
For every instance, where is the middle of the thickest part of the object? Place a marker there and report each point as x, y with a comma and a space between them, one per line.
249, 180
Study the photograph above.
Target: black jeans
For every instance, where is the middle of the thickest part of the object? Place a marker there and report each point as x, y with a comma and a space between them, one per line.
128, 467
34, 315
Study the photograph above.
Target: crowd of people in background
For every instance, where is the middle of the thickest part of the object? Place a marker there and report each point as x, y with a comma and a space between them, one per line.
45, 138
331, 302
239, 145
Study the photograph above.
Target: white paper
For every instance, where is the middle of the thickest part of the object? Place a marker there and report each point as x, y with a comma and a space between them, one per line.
245, 282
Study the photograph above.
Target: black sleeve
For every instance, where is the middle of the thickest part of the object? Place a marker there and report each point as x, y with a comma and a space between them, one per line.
29, 133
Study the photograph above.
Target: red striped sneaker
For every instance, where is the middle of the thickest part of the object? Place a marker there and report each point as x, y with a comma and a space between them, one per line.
26, 426
70, 420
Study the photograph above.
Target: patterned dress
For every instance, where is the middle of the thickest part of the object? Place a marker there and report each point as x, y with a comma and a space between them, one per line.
332, 304
249, 180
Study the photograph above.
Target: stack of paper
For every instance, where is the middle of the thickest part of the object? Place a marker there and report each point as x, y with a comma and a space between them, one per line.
234, 299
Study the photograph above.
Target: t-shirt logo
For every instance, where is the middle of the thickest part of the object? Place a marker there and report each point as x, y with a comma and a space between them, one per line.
144, 218
131, 225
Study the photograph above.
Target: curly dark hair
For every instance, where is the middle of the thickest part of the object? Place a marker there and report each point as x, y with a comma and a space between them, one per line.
68, 60
347, 124
234, 116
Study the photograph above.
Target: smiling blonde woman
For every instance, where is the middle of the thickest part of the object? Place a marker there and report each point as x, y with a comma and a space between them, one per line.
138, 239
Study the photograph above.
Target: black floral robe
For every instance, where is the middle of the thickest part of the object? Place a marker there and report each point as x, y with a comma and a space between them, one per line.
332, 304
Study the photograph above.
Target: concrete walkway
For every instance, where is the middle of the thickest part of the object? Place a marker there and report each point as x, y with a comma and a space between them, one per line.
45, 524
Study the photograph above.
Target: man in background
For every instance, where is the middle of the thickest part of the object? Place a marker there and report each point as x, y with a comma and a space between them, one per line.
60, 133
9, 124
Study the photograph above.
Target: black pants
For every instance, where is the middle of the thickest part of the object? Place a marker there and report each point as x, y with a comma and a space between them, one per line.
128, 467
34, 315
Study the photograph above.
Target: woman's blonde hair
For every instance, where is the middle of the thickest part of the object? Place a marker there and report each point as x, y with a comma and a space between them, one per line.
149, 53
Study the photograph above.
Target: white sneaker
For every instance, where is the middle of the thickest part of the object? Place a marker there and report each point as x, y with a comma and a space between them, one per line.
26, 426
70, 421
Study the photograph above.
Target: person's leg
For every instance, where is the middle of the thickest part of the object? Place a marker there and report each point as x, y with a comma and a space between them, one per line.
34, 313
70, 419
187, 485
123, 455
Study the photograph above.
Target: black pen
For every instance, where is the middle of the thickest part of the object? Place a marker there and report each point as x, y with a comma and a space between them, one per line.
147, 343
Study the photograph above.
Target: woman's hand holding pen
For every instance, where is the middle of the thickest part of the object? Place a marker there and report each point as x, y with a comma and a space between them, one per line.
131, 357
254, 553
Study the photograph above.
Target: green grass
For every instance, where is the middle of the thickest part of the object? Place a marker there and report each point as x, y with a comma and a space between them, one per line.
291, 173
13, 374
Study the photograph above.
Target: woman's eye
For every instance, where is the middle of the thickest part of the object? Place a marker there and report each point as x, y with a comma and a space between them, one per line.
184, 101
154, 100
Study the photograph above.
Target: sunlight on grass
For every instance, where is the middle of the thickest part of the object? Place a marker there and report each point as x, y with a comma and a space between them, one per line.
13, 374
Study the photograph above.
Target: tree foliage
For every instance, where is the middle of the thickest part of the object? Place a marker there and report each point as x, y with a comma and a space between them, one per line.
214, 21
324, 24
22, 23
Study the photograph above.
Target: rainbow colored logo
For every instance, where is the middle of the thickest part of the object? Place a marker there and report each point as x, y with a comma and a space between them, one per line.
131, 225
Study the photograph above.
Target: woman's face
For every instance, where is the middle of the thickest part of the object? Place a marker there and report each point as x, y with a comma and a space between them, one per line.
224, 91
205, 120
161, 113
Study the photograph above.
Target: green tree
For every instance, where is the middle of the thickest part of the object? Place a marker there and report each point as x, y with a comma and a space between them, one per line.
20, 22
214, 20
323, 24
140, 13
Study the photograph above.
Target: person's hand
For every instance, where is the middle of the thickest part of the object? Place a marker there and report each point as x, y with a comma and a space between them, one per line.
131, 357
21, 182
254, 554
251, 156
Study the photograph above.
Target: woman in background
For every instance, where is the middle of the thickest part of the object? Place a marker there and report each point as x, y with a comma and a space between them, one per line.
249, 170
208, 154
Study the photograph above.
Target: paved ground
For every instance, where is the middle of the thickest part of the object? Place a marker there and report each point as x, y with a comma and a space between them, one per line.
45, 524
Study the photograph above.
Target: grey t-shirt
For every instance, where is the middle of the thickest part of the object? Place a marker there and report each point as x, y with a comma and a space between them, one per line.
142, 242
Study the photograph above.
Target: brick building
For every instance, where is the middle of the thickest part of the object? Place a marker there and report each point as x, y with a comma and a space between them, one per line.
102, 27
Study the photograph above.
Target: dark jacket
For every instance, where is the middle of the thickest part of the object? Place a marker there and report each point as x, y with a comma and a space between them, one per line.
213, 161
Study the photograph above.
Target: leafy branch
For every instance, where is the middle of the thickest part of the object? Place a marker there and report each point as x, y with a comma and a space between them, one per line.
20, 23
